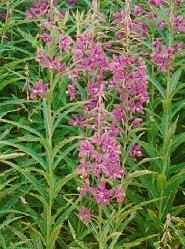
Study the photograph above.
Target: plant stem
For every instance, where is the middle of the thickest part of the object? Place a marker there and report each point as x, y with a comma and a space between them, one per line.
101, 237
167, 138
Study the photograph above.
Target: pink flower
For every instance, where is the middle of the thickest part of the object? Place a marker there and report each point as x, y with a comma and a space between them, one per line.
43, 59
150, 15
162, 56
83, 169
157, 43
161, 24
101, 194
178, 47
178, 24
46, 38
38, 9
156, 3
77, 120
72, 92
118, 113
3, 16
118, 17
39, 90
85, 188
138, 10
137, 121
86, 149
118, 194
64, 43
46, 62
120, 34
85, 215
136, 151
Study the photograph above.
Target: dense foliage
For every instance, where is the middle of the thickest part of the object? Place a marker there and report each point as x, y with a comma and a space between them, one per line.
92, 124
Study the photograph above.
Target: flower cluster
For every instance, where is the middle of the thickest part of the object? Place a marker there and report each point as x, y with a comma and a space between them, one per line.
130, 81
137, 28
138, 10
38, 9
100, 165
100, 155
65, 42
3, 16
47, 62
100, 158
162, 56
85, 215
161, 24
156, 3
39, 90
178, 24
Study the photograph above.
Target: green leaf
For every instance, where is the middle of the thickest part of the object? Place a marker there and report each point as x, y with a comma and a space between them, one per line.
158, 86
62, 182
19, 125
174, 80
62, 112
177, 141
32, 179
138, 241
28, 151
8, 221
64, 154
62, 143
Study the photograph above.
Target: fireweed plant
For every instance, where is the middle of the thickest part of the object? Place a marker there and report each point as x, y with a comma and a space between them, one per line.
92, 124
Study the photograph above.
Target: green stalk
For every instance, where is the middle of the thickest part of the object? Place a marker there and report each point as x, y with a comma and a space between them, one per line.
50, 165
51, 187
101, 236
167, 138
167, 119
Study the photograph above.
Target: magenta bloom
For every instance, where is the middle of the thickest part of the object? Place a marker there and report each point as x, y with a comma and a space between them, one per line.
178, 24
64, 43
118, 113
46, 62
77, 120
101, 194
43, 59
39, 90
72, 92
3, 16
136, 151
138, 10
178, 47
46, 38
85, 215
156, 3
84, 189
161, 24
137, 121
162, 56
118, 17
86, 149
118, 194
38, 9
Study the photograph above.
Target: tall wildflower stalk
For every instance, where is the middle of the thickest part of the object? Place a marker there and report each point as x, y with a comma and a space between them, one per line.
103, 155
